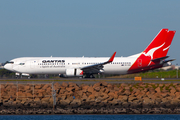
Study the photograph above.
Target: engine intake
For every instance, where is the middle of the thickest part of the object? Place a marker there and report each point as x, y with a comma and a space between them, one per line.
74, 72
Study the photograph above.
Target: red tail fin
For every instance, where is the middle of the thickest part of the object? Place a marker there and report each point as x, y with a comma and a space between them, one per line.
168, 43
156, 51
155, 48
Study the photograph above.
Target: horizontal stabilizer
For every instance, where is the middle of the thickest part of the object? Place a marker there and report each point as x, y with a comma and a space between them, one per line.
169, 60
159, 59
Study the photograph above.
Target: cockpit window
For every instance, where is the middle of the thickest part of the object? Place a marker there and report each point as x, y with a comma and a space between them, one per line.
11, 62
21, 63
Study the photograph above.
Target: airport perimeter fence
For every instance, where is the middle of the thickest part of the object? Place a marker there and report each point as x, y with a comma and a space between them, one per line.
24, 93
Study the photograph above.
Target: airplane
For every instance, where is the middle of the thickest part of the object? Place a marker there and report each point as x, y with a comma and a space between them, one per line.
153, 57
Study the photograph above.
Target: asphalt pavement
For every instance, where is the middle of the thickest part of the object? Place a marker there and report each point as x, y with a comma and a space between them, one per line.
90, 81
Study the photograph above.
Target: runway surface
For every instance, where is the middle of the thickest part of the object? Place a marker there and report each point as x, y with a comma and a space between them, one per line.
90, 81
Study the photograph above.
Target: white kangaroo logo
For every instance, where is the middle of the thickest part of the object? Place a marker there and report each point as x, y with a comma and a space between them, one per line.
166, 48
151, 52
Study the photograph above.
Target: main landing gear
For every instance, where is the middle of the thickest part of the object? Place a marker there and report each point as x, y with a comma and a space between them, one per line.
89, 76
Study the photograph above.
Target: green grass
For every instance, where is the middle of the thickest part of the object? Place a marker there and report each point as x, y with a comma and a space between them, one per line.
152, 74
160, 74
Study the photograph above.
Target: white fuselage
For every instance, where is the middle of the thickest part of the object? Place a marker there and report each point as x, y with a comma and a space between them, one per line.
59, 65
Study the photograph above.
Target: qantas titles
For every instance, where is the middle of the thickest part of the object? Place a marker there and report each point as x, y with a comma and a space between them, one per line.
53, 61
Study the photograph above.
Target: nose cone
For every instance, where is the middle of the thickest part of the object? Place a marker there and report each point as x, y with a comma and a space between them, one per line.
8, 67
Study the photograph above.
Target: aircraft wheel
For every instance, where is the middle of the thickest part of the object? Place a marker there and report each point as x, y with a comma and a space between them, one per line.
89, 76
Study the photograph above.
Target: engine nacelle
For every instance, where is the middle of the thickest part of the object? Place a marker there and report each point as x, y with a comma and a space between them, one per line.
167, 64
74, 72
25, 74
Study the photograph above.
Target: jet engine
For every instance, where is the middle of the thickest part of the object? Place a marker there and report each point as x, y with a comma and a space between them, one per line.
74, 72
167, 64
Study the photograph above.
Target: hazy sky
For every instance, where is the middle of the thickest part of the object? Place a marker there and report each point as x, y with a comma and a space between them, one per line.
90, 28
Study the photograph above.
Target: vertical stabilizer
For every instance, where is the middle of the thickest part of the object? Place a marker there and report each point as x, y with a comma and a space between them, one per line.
155, 48
156, 52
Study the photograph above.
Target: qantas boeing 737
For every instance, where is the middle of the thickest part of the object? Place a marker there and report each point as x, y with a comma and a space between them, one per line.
152, 57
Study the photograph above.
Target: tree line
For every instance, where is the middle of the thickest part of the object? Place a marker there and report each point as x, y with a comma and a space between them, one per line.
6, 74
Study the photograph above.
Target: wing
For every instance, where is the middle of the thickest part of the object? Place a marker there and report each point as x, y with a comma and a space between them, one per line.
96, 68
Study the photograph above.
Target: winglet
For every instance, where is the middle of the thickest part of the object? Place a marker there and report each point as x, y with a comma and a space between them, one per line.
112, 57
